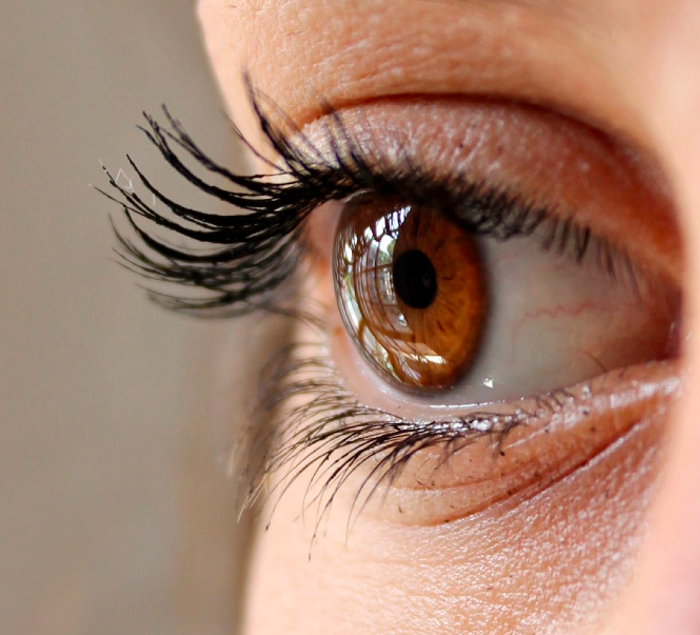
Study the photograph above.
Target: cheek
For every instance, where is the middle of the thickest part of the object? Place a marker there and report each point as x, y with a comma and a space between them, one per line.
547, 564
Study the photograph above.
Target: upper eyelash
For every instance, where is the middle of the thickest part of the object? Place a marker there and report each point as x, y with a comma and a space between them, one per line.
252, 252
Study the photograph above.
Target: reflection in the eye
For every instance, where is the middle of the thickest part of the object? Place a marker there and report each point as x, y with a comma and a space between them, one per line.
411, 292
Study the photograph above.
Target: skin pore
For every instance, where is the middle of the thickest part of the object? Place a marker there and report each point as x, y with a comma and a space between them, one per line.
612, 546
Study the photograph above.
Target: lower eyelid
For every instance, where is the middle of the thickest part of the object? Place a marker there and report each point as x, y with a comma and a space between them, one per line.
443, 483
456, 476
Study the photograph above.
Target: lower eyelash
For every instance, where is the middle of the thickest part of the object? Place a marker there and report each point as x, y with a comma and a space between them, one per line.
332, 436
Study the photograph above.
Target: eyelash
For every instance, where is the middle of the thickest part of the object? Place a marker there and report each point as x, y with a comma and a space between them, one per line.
333, 431
260, 247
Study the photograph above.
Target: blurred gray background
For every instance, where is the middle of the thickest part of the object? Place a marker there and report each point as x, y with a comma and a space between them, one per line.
115, 417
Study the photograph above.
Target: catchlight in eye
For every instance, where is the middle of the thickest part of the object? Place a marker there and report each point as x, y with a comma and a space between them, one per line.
411, 291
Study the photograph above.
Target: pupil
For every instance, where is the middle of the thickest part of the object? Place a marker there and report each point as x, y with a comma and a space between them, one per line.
415, 280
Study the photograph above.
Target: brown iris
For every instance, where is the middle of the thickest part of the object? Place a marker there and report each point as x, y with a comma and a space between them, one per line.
411, 291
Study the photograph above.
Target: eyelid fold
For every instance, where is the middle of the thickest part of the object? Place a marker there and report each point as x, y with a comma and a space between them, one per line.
532, 158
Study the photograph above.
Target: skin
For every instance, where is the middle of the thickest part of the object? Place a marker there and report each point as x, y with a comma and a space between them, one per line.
609, 545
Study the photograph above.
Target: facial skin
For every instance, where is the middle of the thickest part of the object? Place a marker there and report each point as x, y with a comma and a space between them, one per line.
612, 547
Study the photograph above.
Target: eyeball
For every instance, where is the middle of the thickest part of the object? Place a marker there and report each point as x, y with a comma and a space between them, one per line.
455, 313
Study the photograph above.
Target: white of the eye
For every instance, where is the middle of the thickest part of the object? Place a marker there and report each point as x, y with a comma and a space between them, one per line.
554, 322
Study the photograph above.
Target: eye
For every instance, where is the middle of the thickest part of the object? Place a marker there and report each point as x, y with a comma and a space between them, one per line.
507, 306
478, 318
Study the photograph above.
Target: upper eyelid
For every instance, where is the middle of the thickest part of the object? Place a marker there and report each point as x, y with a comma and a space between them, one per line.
627, 188
260, 241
